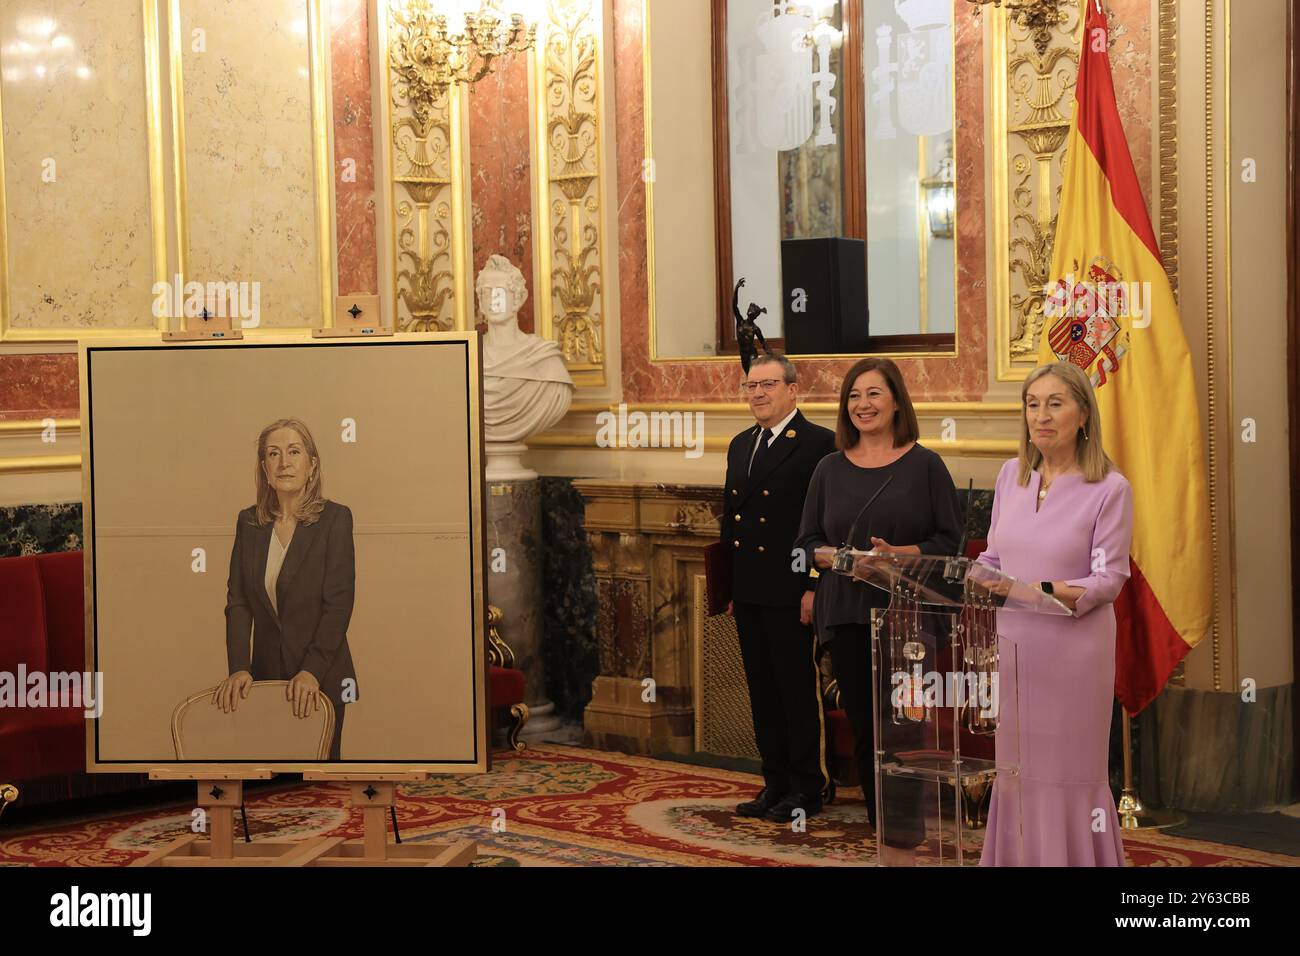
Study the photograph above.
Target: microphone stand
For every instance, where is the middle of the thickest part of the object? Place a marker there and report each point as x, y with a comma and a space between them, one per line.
843, 560
952, 572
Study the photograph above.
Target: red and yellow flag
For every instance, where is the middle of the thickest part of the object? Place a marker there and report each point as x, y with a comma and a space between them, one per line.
1112, 313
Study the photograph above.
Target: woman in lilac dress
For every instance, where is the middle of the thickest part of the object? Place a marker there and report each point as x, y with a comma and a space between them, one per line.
1062, 516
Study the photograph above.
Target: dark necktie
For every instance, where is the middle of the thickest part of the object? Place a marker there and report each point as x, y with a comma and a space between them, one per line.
761, 451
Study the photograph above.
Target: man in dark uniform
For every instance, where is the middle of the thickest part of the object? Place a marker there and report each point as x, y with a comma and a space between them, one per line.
768, 470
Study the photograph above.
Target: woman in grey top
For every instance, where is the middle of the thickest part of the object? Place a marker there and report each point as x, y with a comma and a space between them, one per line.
916, 512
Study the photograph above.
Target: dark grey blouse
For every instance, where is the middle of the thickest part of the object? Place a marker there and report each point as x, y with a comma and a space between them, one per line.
919, 506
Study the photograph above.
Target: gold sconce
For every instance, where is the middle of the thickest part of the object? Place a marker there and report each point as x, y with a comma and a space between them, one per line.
1037, 16
1024, 7
940, 192
467, 57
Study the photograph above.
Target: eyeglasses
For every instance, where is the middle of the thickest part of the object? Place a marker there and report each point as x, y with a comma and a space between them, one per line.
767, 385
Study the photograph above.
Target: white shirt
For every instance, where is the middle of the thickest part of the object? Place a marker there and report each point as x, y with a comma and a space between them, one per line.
777, 431
274, 560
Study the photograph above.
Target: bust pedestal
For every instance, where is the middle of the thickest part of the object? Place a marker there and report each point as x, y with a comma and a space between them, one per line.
526, 389
514, 519
505, 462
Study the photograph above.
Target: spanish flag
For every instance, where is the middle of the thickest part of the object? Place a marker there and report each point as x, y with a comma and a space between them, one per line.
1111, 311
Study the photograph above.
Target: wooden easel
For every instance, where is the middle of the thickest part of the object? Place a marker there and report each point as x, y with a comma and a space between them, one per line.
215, 325
355, 316
220, 795
375, 794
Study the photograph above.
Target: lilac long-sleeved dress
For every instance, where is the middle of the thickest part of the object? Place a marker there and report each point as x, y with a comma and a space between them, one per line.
1059, 810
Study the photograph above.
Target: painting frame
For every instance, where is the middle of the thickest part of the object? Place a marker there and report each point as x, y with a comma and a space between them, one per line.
464, 344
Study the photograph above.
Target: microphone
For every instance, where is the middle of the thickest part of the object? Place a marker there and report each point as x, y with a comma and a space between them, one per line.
843, 560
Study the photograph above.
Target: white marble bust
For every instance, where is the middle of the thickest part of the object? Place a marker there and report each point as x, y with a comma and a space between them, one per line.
526, 386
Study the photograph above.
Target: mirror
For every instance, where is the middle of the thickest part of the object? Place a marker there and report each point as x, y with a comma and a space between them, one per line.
910, 168
827, 158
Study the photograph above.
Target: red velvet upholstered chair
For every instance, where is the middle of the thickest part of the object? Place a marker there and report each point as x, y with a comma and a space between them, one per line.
508, 686
42, 628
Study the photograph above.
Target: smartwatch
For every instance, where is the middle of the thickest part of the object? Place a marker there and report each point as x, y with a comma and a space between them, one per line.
1046, 587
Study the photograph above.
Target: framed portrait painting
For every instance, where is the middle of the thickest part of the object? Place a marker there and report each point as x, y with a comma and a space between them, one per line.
284, 547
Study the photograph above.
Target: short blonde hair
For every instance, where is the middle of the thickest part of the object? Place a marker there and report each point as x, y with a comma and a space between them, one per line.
313, 498
1088, 451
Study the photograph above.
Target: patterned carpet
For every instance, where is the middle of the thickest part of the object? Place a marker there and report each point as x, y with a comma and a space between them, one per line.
557, 806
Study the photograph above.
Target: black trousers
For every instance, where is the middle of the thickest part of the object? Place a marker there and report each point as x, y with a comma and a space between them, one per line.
785, 698
850, 649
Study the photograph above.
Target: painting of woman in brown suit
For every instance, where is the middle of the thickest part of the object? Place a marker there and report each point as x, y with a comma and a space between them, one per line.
292, 578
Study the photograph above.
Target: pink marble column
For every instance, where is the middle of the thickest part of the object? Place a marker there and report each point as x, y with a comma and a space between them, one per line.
1134, 67
38, 386
501, 173
358, 258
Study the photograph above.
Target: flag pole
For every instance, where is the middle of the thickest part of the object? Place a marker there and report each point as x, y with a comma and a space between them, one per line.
1132, 814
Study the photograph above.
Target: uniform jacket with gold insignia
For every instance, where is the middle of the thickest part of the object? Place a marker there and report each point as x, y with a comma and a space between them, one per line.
761, 513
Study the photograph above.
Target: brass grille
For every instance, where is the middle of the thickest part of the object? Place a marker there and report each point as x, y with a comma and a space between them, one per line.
722, 718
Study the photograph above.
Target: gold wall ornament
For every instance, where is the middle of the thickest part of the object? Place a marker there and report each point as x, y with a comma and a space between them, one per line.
1037, 17
465, 58
567, 88
1035, 59
1035, 64
499, 652
1041, 77
426, 164
1167, 84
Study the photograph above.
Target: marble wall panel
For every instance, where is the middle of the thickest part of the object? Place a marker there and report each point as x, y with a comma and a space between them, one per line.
501, 173
251, 203
38, 386
76, 164
1134, 42
39, 529
354, 183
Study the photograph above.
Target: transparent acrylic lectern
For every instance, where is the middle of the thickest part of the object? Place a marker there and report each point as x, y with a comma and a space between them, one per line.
943, 683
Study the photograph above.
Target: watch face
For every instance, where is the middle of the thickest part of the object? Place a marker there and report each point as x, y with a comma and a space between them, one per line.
1047, 587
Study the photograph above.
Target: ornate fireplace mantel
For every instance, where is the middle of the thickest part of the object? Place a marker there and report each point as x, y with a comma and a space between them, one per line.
647, 543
